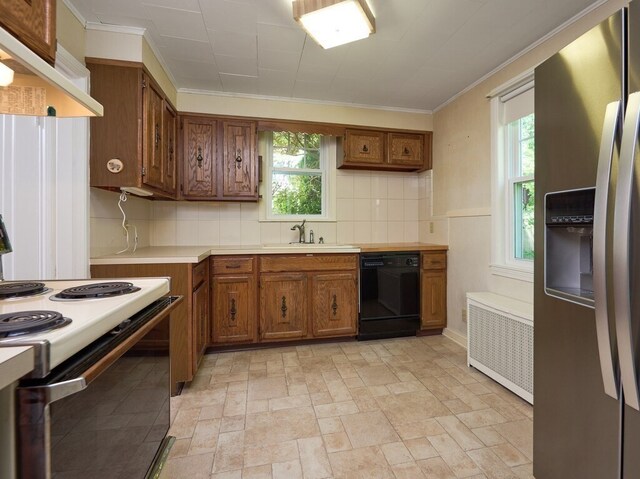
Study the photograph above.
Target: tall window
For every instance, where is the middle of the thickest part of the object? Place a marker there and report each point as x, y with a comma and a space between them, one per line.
521, 152
513, 166
297, 175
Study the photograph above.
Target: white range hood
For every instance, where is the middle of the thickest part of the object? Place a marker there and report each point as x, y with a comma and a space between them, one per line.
37, 88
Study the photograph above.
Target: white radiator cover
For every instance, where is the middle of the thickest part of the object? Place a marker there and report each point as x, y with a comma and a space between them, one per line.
500, 340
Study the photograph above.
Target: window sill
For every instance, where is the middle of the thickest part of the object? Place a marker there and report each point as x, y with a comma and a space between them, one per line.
513, 272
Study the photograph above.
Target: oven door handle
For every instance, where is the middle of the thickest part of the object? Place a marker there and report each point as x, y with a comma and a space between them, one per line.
49, 393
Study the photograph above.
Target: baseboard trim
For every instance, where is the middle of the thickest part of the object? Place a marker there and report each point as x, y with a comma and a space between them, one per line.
457, 338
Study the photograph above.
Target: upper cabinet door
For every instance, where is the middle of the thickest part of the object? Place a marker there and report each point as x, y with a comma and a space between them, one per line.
239, 167
170, 148
152, 150
199, 151
33, 22
367, 147
406, 149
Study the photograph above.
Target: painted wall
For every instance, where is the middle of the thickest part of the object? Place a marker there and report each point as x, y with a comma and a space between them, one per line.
70, 31
200, 102
462, 176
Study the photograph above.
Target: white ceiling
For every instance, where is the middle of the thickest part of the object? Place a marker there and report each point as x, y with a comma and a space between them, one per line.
422, 54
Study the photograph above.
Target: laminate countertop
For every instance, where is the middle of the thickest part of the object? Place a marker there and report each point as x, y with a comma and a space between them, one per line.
15, 362
195, 254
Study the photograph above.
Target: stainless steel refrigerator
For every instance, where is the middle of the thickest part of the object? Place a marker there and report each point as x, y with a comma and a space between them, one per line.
587, 247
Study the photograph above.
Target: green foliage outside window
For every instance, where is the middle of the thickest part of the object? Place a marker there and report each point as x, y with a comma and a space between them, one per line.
296, 187
524, 193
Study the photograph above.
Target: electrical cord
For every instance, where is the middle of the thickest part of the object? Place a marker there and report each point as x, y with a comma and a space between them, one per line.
125, 225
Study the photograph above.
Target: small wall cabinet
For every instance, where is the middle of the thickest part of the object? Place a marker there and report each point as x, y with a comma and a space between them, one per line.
33, 22
386, 150
433, 284
133, 144
219, 159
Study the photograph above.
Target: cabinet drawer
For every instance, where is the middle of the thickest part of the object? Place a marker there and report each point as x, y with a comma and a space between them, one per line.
308, 262
434, 261
200, 273
232, 265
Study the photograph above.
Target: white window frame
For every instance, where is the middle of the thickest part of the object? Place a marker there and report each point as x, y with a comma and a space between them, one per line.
327, 170
503, 260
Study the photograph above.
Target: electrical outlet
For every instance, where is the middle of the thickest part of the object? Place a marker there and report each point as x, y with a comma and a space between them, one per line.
464, 315
431, 227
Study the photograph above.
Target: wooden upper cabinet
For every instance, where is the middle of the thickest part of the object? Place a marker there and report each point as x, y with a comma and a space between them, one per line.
386, 150
152, 147
364, 147
171, 148
33, 22
335, 304
406, 149
130, 143
239, 167
199, 150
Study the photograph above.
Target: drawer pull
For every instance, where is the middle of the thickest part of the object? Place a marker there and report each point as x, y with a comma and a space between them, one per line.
233, 266
283, 308
334, 305
233, 310
199, 158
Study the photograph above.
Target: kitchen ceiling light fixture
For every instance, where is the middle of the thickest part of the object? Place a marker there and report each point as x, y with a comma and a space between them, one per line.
334, 22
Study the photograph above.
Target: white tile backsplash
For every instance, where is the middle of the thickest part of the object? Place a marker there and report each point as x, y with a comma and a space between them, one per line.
395, 187
187, 232
362, 209
230, 232
344, 209
344, 186
362, 186
379, 187
371, 207
187, 210
379, 209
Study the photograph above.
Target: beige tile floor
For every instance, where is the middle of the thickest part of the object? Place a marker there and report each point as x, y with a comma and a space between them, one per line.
395, 408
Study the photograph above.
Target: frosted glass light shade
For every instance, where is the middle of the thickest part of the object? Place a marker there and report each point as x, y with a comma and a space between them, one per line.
342, 22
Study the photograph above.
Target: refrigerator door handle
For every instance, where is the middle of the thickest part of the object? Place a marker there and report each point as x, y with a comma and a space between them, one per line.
610, 133
621, 248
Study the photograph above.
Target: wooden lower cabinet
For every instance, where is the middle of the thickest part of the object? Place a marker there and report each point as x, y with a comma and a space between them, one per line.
185, 332
200, 321
433, 285
234, 309
335, 306
283, 306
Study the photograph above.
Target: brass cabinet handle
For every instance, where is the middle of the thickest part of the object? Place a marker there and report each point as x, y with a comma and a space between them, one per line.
233, 310
334, 305
199, 157
284, 308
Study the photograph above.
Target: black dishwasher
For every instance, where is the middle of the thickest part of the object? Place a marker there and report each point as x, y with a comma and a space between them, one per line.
389, 295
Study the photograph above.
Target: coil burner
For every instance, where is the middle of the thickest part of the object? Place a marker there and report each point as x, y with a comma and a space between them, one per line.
96, 290
29, 322
17, 290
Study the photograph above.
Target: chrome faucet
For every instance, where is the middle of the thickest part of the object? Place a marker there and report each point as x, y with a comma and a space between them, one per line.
300, 229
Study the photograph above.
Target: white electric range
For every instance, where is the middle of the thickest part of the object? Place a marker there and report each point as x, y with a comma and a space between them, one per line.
90, 352
90, 318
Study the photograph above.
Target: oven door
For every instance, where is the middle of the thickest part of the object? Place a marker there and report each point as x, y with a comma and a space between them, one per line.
103, 413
